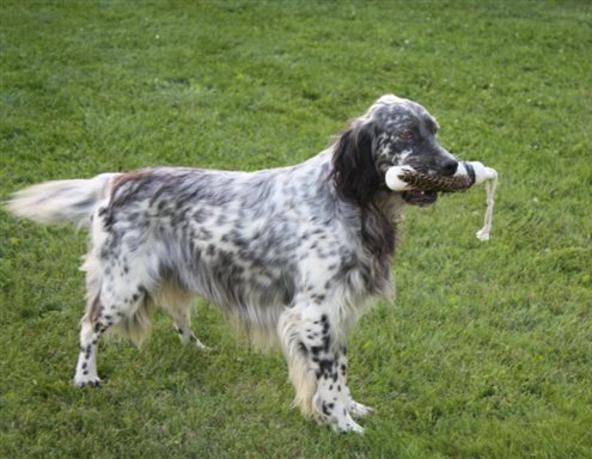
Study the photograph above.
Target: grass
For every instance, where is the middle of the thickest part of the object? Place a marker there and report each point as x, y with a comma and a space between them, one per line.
487, 351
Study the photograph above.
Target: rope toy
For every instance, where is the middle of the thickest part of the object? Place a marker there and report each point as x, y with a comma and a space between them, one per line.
468, 173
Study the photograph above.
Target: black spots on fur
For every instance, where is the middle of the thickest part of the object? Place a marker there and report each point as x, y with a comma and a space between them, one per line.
85, 372
222, 219
96, 383
327, 408
239, 242
317, 298
338, 388
125, 269
326, 343
316, 350
302, 348
343, 369
203, 234
211, 250
84, 365
327, 285
325, 367
140, 293
288, 293
200, 215
98, 327
162, 205
193, 338
179, 331
325, 324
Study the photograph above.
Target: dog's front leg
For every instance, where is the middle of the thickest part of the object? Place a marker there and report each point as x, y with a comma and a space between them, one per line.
317, 358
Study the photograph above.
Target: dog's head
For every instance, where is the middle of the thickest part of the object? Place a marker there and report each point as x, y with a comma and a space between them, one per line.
394, 132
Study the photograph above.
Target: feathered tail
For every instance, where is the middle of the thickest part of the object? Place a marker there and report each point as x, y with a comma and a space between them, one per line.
61, 201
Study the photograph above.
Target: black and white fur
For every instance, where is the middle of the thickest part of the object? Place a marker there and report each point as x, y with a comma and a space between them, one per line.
293, 253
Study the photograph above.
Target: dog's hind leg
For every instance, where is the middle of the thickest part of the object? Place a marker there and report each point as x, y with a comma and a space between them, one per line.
115, 294
177, 303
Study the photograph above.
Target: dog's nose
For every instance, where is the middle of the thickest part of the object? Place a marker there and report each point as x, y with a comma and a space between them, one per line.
449, 167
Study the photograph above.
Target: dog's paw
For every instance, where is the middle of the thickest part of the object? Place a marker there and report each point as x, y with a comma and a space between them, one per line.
347, 425
199, 345
358, 410
87, 381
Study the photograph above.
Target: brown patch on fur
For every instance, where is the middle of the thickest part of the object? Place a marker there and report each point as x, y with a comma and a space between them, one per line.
95, 309
135, 176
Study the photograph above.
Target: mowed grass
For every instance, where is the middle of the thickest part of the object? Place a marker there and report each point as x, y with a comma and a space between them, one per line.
487, 350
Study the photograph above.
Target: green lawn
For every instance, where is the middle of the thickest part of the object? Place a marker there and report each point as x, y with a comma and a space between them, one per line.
487, 350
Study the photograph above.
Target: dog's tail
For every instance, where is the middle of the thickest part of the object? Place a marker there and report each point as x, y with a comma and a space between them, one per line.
62, 201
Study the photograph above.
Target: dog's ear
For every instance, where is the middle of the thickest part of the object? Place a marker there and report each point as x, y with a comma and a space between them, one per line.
354, 173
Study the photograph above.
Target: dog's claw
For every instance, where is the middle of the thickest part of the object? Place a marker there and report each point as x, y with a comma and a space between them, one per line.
358, 410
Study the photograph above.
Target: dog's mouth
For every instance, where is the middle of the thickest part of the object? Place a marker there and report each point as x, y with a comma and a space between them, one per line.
420, 198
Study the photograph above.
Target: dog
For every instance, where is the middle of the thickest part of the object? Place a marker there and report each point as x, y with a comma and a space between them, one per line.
293, 253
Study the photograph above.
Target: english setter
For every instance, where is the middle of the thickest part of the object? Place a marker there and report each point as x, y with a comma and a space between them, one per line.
292, 252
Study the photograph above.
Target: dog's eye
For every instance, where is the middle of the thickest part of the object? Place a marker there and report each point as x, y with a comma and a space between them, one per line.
407, 136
